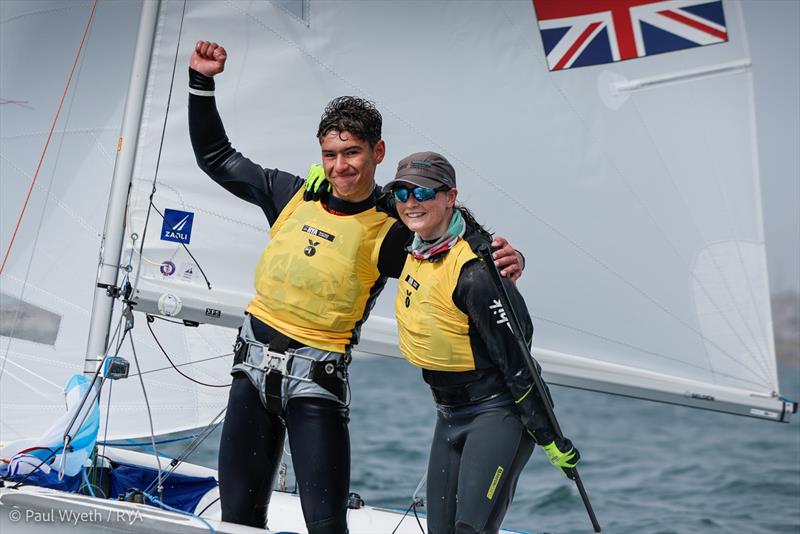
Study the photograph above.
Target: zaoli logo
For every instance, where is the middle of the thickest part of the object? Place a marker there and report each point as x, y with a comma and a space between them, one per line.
177, 226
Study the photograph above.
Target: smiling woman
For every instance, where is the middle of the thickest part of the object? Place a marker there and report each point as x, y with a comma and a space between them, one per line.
452, 327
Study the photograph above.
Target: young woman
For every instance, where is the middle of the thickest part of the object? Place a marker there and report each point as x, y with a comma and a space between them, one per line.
452, 325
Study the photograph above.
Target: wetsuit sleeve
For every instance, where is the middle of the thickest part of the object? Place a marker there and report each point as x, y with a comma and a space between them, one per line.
476, 295
269, 189
392, 255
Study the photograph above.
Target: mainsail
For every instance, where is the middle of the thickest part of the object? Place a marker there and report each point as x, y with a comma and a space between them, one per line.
631, 187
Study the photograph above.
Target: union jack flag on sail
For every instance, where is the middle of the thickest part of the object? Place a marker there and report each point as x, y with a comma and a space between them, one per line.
577, 33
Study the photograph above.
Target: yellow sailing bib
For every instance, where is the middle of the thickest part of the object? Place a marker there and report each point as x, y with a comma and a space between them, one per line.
313, 280
434, 333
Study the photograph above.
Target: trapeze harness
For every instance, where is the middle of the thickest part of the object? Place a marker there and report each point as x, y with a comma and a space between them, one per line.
284, 368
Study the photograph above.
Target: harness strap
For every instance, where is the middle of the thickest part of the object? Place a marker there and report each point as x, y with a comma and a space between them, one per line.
490, 385
272, 392
324, 374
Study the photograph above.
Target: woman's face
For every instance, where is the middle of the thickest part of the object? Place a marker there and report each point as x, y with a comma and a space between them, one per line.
429, 218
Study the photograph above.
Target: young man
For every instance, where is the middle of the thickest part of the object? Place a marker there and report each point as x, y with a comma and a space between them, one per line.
314, 289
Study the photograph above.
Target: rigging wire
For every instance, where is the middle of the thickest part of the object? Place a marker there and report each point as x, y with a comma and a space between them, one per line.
108, 418
192, 447
202, 360
132, 443
160, 488
49, 135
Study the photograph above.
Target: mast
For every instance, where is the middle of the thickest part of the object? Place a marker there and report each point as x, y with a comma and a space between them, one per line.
111, 243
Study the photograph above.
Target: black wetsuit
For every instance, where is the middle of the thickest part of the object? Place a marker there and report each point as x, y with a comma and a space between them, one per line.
252, 439
481, 441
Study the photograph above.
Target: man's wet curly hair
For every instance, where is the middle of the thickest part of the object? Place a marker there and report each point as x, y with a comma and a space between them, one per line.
354, 115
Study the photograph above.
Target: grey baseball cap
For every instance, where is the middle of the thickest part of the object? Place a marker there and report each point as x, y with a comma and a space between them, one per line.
425, 169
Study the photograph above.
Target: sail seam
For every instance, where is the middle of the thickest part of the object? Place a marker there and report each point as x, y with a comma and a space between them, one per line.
63, 131
59, 202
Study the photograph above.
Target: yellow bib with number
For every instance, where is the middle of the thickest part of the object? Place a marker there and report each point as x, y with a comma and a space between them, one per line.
313, 280
433, 332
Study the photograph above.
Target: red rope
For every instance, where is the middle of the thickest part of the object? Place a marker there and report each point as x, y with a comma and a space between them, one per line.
49, 135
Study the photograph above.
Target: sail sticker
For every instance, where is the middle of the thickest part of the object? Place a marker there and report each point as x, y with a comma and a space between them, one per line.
167, 268
169, 305
577, 33
319, 233
187, 271
177, 226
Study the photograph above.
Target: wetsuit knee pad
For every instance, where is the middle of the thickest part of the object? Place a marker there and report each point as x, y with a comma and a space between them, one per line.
332, 525
464, 528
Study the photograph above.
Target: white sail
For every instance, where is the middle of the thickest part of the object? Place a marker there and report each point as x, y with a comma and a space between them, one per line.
632, 188
47, 283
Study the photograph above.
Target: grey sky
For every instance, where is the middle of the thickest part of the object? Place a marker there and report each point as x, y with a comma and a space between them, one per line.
773, 28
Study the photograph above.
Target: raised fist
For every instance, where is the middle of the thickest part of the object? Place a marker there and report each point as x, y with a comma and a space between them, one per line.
208, 58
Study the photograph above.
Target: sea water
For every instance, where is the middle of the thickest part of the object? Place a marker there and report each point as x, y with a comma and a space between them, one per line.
647, 467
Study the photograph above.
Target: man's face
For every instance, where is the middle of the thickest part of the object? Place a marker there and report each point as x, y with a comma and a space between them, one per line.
350, 163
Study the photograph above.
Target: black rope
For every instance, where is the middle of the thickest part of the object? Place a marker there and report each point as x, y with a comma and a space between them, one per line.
417, 517
207, 507
412, 507
149, 321
173, 321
